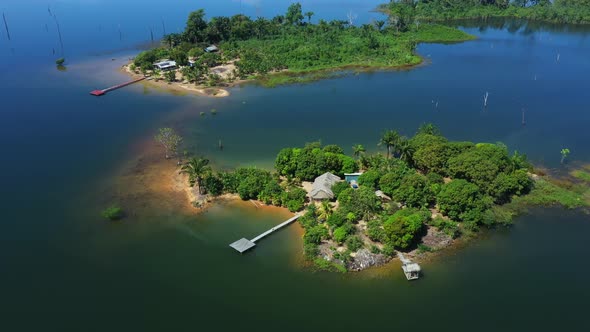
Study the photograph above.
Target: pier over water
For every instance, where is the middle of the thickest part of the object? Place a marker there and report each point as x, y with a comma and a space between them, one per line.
244, 244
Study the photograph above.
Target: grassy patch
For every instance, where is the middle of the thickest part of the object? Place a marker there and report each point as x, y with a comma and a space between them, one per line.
436, 33
274, 80
582, 175
547, 193
422, 248
324, 265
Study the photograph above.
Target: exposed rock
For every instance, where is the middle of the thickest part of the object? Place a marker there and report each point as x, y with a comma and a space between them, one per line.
436, 239
365, 259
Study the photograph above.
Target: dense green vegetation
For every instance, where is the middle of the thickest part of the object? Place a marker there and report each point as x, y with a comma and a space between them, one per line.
463, 182
404, 12
262, 46
453, 187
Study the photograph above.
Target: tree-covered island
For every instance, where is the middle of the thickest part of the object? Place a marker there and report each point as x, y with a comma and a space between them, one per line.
556, 11
287, 48
419, 196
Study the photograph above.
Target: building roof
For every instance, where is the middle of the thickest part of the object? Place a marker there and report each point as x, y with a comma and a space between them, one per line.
165, 64
353, 174
411, 267
322, 186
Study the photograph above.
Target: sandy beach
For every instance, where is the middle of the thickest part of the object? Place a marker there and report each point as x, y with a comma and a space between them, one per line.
177, 87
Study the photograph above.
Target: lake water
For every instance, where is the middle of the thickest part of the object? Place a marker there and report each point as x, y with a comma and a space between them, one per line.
66, 155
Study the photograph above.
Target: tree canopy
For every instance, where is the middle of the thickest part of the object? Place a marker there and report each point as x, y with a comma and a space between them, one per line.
404, 12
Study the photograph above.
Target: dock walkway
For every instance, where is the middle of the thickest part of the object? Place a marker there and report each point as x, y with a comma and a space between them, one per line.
118, 86
243, 244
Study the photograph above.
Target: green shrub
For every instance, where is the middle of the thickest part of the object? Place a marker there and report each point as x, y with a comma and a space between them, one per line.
403, 228
325, 265
424, 248
294, 205
113, 212
458, 197
354, 243
375, 250
315, 234
448, 227
344, 257
340, 234
338, 187
375, 231
311, 250
370, 178
337, 219
212, 184
294, 198
388, 250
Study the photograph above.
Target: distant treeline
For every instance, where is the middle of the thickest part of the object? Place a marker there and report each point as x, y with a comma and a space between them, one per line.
293, 42
558, 11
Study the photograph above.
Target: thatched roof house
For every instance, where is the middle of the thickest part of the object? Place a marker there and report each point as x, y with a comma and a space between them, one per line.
322, 186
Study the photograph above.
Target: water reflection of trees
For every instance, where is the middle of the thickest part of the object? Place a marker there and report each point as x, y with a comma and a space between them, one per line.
520, 26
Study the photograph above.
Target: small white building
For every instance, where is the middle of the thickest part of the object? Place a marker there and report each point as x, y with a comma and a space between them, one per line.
411, 269
165, 65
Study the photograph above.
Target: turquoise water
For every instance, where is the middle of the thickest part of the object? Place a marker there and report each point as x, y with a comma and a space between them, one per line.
64, 155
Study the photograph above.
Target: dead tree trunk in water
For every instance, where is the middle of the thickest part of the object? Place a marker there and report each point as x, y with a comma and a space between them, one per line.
6, 26
61, 44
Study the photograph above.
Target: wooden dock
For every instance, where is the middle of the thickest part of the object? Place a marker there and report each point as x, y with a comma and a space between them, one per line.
118, 86
243, 244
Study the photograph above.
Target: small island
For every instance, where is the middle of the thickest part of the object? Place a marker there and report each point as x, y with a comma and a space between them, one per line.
424, 194
224, 51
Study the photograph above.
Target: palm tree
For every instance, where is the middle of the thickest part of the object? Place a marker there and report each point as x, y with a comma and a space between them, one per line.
379, 24
405, 150
309, 15
196, 168
389, 139
358, 150
428, 128
326, 211
169, 40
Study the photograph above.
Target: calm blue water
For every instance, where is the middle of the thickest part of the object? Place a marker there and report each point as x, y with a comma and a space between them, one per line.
64, 152
520, 72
